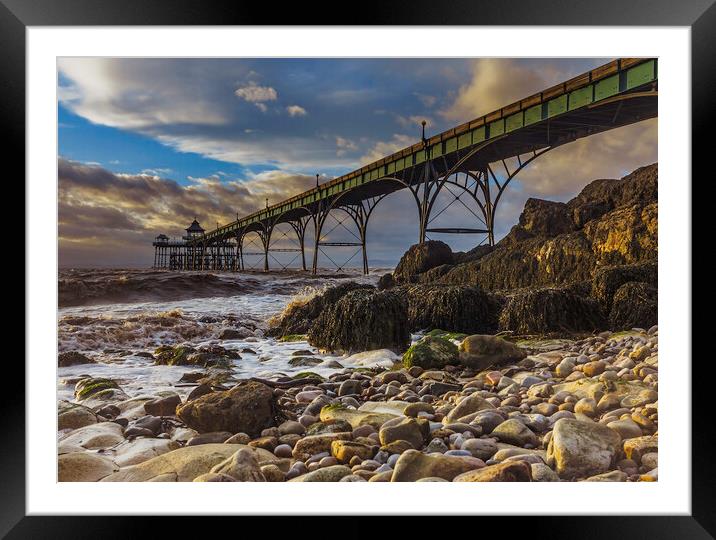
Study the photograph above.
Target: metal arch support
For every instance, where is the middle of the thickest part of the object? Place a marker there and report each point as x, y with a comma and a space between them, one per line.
299, 228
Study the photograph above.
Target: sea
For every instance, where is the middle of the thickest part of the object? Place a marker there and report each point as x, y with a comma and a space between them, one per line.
117, 316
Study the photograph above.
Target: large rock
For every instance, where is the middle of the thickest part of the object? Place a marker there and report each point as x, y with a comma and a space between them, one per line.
243, 466
141, 450
72, 358
513, 431
540, 311
468, 405
546, 218
102, 435
185, 464
247, 408
363, 320
316, 444
431, 353
508, 471
299, 315
580, 449
83, 467
406, 429
453, 308
420, 258
97, 388
414, 465
482, 351
74, 416
609, 279
635, 304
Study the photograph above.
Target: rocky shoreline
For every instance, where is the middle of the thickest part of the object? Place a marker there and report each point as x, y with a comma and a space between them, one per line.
550, 410
533, 360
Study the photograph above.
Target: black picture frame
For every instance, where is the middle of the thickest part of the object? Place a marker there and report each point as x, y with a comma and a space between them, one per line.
700, 15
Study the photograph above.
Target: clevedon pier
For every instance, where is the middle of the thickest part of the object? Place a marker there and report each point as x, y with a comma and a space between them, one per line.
475, 161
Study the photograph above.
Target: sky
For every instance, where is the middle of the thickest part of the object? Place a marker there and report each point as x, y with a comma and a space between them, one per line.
147, 145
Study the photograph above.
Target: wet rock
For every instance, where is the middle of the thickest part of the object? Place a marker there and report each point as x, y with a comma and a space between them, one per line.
607, 281
579, 449
83, 467
165, 406
72, 358
201, 390
141, 450
330, 426
344, 451
96, 387
298, 318
212, 437
386, 281
235, 333
431, 353
353, 417
540, 311
413, 465
509, 471
316, 444
468, 405
482, 351
421, 258
247, 408
363, 320
635, 304
453, 308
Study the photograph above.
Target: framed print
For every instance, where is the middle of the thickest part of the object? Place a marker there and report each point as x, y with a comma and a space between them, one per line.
385, 268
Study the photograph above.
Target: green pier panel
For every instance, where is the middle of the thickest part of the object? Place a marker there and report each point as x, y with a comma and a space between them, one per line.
513, 122
451, 145
374, 174
478, 135
606, 88
580, 98
533, 115
391, 168
464, 140
641, 74
436, 150
557, 106
497, 128
419, 156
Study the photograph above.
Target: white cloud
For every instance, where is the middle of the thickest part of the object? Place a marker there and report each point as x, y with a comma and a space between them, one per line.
344, 145
256, 94
383, 148
296, 110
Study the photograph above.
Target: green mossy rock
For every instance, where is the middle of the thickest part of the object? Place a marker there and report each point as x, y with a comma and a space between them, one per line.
92, 387
430, 353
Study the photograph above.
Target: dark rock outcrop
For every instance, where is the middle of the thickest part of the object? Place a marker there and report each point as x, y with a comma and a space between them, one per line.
298, 318
609, 279
546, 218
541, 311
386, 281
72, 358
453, 308
420, 258
362, 320
635, 304
247, 408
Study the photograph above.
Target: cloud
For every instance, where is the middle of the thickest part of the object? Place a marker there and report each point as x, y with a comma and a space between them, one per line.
256, 94
383, 148
296, 110
344, 146
116, 216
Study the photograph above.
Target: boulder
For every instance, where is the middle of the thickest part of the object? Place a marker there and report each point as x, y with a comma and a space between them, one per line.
72, 358
101, 435
546, 218
607, 280
141, 450
420, 258
386, 281
508, 471
247, 407
431, 353
580, 449
74, 416
451, 308
468, 405
482, 351
185, 464
299, 316
635, 304
541, 311
406, 429
316, 444
96, 387
513, 431
243, 466
413, 465
344, 451
363, 320
164, 406
355, 418
83, 467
